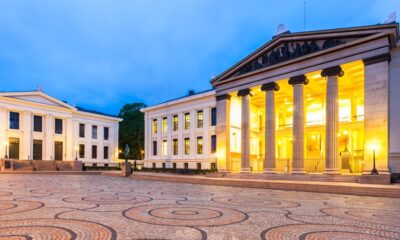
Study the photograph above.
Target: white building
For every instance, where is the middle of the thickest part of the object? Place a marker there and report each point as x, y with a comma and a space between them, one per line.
36, 126
181, 133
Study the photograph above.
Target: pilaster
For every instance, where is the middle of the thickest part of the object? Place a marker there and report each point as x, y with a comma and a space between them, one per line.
223, 133
245, 129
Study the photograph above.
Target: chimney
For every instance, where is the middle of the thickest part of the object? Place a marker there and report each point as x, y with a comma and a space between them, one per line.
191, 92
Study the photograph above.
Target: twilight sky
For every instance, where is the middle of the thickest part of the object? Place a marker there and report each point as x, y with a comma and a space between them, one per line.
101, 54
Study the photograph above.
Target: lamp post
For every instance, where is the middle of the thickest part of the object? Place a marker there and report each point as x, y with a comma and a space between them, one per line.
6, 145
374, 170
76, 153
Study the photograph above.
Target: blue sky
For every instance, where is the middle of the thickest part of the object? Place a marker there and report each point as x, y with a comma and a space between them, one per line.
101, 54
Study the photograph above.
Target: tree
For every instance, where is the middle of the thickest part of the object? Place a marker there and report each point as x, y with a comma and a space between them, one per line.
131, 129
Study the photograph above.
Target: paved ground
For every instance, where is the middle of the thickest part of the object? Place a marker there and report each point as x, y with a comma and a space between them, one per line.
104, 207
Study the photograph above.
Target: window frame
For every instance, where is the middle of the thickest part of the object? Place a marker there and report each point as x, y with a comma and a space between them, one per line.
200, 118
35, 118
15, 120
199, 145
55, 125
187, 121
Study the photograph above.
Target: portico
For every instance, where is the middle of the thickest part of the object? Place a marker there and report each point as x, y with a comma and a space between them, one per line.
314, 102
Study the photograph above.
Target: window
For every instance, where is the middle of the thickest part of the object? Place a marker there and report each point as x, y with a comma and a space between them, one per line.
81, 150
175, 123
213, 143
94, 132
187, 121
155, 126
198, 166
213, 166
187, 146
14, 120
58, 150
37, 149
164, 125
106, 133
174, 165
13, 150
154, 165
81, 130
175, 146
105, 152
58, 126
94, 152
164, 148
154, 148
37, 123
199, 145
186, 165
163, 165
213, 116
200, 119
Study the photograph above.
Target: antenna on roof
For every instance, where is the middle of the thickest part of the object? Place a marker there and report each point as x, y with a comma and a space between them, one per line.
391, 18
281, 29
39, 88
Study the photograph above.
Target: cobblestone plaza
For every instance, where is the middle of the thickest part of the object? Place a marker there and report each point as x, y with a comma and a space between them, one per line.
104, 207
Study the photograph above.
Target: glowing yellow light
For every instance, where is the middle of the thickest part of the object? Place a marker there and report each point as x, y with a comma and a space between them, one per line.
290, 109
345, 132
6, 143
313, 137
285, 99
339, 134
279, 142
290, 139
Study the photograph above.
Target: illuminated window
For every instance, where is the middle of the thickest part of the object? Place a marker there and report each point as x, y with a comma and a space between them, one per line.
344, 110
164, 147
314, 114
155, 126
199, 145
187, 121
175, 122
81, 151
187, 146
200, 119
165, 125
175, 146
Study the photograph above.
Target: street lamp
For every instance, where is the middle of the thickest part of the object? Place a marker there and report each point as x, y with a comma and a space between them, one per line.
6, 145
76, 153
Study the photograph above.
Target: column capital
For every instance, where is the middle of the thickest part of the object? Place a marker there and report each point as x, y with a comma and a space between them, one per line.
223, 97
301, 79
335, 71
244, 92
271, 86
377, 59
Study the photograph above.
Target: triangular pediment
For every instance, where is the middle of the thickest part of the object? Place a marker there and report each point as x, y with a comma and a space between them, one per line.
36, 97
289, 46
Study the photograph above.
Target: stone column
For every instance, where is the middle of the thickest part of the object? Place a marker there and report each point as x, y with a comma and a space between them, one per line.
223, 133
333, 164
298, 83
376, 113
27, 139
269, 160
245, 130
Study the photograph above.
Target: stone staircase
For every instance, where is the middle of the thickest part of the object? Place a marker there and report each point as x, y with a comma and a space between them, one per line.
40, 165
23, 165
296, 177
64, 166
8, 165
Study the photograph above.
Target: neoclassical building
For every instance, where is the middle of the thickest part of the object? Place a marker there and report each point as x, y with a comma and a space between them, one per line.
36, 126
310, 102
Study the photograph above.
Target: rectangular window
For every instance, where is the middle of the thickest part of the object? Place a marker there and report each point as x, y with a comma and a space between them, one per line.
155, 126
187, 146
163, 165
81, 130
106, 133
94, 132
14, 120
13, 150
94, 152
105, 152
175, 122
58, 126
200, 119
199, 145
58, 150
164, 147
187, 121
175, 146
213, 143
154, 165
198, 166
174, 165
186, 165
81, 150
164, 125
213, 116
37, 149
154, 148
37, 123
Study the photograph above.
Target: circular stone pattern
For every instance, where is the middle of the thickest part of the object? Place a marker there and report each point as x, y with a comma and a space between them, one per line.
185, 215
54, 229
365, 215
255, 202
181, 194
10, 207
332, 232
68, 190
111, 198
296, 196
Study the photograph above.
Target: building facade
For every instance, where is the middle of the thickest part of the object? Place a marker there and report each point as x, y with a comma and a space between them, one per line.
313, 102
180, 133
36, 126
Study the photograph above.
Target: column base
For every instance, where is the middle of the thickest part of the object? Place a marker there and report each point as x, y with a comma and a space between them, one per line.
269, 170
245, 170
332, 171
298, 171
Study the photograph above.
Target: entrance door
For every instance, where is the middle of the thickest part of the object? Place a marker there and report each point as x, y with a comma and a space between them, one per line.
14, 148
58, 151
37, 150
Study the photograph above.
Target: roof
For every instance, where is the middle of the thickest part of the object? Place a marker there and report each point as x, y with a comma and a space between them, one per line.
95, 112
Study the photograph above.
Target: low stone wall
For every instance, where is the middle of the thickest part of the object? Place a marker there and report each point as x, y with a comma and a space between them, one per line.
10, 165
